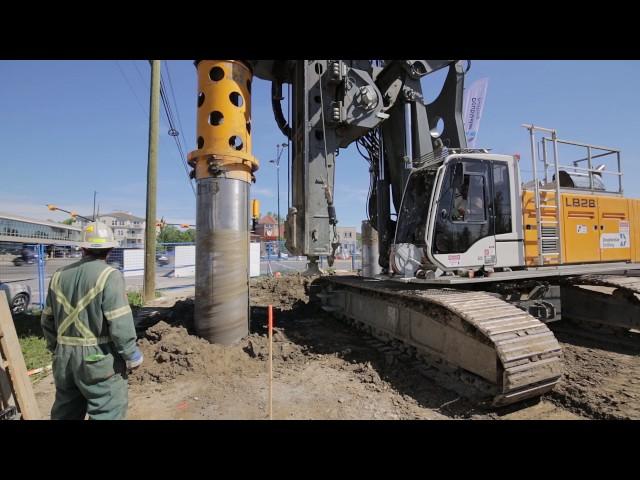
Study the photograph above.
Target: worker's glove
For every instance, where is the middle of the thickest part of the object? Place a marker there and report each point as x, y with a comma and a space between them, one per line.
136, 360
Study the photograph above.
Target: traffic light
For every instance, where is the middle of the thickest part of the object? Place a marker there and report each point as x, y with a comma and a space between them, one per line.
185, 225
255, 213
51, 207
74, 215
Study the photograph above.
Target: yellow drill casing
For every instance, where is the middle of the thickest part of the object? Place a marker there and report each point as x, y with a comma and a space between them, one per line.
224, 121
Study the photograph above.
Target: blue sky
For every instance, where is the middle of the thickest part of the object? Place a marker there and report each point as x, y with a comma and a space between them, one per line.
72, 127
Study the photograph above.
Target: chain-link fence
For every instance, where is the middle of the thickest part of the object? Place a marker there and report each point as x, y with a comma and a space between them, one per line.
26, 270
19, 267
274, 257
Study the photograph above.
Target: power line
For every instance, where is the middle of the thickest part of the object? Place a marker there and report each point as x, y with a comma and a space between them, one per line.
144, 83
175, 102
173, 131
131, 88
166, 64
180, 140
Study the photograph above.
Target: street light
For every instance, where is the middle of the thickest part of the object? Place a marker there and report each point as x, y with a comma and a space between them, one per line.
53, 208
279, 149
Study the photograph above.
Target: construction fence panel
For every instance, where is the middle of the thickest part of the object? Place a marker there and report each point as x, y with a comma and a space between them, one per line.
130, 261
174, 262
175, 266
184, 261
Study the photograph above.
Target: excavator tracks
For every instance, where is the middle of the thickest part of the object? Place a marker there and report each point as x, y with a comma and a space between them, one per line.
628, 284
610, 301
476, 337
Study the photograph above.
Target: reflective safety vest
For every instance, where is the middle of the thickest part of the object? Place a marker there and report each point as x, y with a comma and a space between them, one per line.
81, 297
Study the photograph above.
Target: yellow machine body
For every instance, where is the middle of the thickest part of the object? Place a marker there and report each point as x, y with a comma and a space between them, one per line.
594, 228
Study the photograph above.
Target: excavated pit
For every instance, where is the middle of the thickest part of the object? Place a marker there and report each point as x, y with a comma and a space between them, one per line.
172, 349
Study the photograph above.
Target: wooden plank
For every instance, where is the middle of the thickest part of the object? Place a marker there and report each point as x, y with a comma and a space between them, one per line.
6, 392
25, 398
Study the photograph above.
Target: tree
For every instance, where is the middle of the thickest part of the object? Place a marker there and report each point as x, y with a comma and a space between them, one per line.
171, 234
189, 235
68, 221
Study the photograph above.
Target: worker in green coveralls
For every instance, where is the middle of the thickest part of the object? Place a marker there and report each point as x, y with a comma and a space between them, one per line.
88, 325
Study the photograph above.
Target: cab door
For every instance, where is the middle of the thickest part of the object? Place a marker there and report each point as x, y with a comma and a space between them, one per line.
464, 228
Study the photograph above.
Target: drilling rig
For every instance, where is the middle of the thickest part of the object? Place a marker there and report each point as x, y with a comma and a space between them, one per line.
473, 263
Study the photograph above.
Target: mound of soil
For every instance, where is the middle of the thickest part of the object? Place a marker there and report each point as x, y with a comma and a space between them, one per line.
170, 351
282, 293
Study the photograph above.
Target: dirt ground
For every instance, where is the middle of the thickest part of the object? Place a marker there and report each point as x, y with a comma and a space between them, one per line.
324, 369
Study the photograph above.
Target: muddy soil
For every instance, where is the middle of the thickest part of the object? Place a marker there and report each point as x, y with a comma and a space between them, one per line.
323, 369
601, 377
283, 293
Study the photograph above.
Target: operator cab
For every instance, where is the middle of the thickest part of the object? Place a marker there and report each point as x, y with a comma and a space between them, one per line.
460, 214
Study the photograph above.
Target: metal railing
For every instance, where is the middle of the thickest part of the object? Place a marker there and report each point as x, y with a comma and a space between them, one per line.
550, 238
591, 152
552, 235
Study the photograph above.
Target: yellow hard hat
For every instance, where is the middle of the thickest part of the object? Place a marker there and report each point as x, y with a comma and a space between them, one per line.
97, 236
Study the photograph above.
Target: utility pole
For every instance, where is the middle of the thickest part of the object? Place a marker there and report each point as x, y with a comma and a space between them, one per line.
94, 205
278, 187
152, 176
279, 149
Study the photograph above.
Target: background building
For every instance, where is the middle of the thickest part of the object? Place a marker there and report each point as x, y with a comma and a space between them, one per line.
18, 229
267, 229
348, 240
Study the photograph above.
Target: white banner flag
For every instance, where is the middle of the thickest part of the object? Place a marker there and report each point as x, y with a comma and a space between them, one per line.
473, 104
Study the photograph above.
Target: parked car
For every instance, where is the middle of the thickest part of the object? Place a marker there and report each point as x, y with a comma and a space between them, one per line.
66, 252
18, 296
162, 259
60, 253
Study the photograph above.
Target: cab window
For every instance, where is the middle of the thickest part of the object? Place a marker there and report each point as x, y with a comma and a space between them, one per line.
502, 198
468, 199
